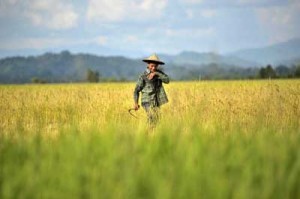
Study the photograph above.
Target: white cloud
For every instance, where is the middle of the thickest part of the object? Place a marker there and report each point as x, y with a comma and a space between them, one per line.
245, 2
192, 1
101, 40
281, 22
53, 14
31, 43
120, 10
275, 15
8, 2
190, 13
232, 3
49, 42
258, 3
105, 10
131, 39
6, 7
208, 13
190, 33
202, 13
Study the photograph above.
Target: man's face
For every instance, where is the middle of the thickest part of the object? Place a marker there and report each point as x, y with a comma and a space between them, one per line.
152, 67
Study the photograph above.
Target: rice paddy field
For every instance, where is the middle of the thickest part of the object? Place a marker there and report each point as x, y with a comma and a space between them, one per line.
215, 139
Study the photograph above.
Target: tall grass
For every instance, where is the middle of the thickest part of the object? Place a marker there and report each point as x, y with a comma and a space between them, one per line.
236, 139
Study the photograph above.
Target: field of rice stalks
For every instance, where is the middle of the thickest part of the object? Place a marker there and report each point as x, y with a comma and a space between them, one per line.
215, 139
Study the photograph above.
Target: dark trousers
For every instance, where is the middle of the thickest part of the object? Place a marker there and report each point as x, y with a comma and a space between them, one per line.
152, 114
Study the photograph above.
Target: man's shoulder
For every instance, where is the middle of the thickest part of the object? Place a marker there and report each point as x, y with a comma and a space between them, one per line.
143, 74
160, 71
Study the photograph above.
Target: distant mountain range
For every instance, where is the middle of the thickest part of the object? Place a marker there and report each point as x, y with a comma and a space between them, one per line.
281, 53
286, 53
65, 67
189, 59
69, 67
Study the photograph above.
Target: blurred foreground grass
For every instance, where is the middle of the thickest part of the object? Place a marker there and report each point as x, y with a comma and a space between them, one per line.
235, 139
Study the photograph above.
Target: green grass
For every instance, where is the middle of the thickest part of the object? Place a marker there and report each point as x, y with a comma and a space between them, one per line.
168, 165
78, 141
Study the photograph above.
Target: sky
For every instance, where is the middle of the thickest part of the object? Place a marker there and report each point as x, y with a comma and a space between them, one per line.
137, 28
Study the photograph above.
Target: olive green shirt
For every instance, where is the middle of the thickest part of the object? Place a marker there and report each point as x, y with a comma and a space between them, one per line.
152, 90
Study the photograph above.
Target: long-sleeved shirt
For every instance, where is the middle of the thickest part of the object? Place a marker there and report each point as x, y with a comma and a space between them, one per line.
152, 90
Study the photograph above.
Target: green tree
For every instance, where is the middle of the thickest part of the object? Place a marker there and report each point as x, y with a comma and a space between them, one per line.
282, 71
271, 73
267, 72
262, 73
92, 76
297, 71
36, 80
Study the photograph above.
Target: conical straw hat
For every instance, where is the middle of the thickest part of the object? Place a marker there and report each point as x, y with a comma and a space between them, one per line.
153, 58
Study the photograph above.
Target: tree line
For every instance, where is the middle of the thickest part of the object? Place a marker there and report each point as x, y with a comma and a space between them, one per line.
280, 71
267, 72
65, 67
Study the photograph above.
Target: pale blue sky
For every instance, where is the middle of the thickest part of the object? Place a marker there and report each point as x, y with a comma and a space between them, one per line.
138, 27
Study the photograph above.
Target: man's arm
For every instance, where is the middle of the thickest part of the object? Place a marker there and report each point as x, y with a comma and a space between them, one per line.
162, 76
139, 86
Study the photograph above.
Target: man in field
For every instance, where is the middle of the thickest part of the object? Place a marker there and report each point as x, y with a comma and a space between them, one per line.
150, 85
